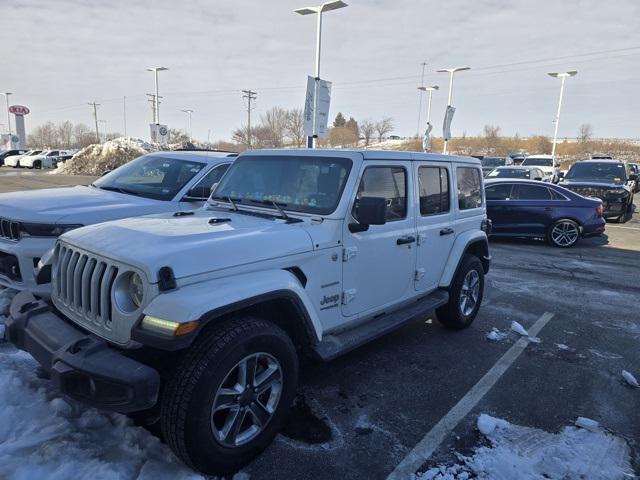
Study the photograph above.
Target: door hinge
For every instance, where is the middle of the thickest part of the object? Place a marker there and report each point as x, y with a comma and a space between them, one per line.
348, 253
419, 274
422, 238
348, 296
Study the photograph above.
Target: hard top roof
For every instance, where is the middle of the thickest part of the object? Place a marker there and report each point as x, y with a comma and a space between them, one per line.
201, 155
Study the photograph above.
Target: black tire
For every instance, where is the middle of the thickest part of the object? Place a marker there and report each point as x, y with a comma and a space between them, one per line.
451, 314
189, 393
37, 165
560, 243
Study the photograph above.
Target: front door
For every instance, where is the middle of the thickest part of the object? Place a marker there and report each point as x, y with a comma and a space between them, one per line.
378, 263
498, 207
435, 222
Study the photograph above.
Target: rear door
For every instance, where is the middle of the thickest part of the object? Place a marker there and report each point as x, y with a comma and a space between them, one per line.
532, 209
378, 264
434, 218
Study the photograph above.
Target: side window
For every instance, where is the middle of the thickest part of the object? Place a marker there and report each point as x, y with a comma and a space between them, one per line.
385, 182
434, 190
498, 192
203, 188
469, 188
557, 196
533, 192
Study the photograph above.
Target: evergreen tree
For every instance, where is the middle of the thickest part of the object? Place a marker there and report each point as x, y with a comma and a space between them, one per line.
339, 121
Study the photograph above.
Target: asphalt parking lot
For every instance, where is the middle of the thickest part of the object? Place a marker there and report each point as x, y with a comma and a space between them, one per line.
411, 400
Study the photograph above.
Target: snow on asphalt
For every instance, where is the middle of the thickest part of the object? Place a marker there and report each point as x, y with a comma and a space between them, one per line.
528, 453
42, 436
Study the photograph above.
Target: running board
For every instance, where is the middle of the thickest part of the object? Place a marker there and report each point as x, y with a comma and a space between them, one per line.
338, 344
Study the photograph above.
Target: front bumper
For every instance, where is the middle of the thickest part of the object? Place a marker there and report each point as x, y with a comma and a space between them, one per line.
613, 209
83, 367
28, 252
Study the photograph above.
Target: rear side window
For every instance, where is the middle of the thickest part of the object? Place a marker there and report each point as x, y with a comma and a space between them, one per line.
469, 188
533, 192
434, 190
498, 192
213, 176
385, 182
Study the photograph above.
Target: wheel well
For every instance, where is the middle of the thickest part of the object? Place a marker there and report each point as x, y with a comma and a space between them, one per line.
480, 249
284, 310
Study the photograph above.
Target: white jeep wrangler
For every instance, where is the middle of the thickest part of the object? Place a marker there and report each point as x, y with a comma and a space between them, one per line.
196, 318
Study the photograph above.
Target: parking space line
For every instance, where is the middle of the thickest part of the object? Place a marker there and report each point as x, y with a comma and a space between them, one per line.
622, 226
432, 440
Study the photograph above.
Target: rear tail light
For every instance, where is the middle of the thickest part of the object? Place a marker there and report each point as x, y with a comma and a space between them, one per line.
599, 210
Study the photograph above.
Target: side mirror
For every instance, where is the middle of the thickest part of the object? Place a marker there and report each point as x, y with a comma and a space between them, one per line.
105, 172
633, 176
538, 178
369, 211
561, 175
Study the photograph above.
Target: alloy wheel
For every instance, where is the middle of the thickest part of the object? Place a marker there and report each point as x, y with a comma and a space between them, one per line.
246, 399
564, 233
469, 292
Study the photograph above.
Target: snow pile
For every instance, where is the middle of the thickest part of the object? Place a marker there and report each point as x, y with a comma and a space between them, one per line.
6, 296
496, 335
527, 454
630, 379
97, 159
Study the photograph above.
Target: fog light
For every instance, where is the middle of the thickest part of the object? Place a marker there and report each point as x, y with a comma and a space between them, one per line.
167, 327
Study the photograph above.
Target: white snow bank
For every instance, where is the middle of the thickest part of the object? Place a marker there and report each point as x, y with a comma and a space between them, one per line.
42, 436
496, 335
528, 453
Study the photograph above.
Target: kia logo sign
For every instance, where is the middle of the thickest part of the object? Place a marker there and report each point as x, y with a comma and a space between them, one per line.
19, 110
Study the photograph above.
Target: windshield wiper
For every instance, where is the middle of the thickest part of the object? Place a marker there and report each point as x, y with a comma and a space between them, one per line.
278, 207
232, 200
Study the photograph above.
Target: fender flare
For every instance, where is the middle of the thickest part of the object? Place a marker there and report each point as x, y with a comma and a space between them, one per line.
208, 300
461, 245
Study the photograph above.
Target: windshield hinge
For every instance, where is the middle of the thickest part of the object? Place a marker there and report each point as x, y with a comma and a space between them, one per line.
348, 253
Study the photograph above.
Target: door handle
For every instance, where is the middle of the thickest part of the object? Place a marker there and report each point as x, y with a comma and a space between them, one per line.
405, 240
446, 231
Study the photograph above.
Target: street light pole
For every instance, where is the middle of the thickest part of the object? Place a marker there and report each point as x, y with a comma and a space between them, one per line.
426, 141
188, 111
6, 96
563, 76
156, 109
451, 72
421, 88
318, 11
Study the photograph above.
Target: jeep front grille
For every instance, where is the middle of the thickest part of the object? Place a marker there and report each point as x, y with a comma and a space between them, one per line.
82, 286
9, 230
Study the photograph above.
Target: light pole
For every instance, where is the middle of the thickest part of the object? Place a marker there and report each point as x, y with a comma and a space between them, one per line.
6, 96
562, 76
188, 111
451, 72
421, 88
156, 110
318, 11
429, 89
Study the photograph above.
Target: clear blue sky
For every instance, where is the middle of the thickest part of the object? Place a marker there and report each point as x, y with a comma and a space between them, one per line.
57, 56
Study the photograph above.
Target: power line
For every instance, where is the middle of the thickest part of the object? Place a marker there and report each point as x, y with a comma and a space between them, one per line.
249, 96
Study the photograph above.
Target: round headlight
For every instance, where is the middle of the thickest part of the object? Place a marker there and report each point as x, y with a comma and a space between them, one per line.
136, 289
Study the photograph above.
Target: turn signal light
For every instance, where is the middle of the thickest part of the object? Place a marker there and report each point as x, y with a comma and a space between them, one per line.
167, 327
599, 210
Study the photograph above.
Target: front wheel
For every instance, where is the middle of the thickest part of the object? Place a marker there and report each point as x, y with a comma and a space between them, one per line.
564, 233
228, 398
465, 295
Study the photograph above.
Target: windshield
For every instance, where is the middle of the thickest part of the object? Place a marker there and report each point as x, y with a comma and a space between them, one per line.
509, 173
151, 176
492, 161
35, 152
299, 184
538, 162
610, 171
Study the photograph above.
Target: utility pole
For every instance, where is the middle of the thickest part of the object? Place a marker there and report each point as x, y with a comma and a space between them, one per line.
6, 96
188, 111
124, 113
156, 109
249, 95
95, 117
420, 88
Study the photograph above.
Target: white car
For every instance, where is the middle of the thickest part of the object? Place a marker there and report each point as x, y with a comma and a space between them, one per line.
45, 159
30, 221
195, 321
547, 164
15, 161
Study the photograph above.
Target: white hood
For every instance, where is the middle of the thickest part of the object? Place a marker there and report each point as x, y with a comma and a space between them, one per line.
191, 245
76, 205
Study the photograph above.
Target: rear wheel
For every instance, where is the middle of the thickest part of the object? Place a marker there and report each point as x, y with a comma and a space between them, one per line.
465, 294
564, 233
228, 398
37, 165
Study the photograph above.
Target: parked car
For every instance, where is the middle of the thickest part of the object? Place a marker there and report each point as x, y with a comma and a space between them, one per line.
197, 319
45, 159
608, 180
9, 153
546, 163
489, 163
14, 160
518, 157
515, 171
31, 221
634, 168
62, 159
526, 208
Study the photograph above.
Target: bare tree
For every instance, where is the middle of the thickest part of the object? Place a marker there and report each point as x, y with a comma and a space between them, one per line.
342, 137
294, 127
241, 137
274, 123
585, 132
367, 130
83, 136
65, 134
383, 127
492, 138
